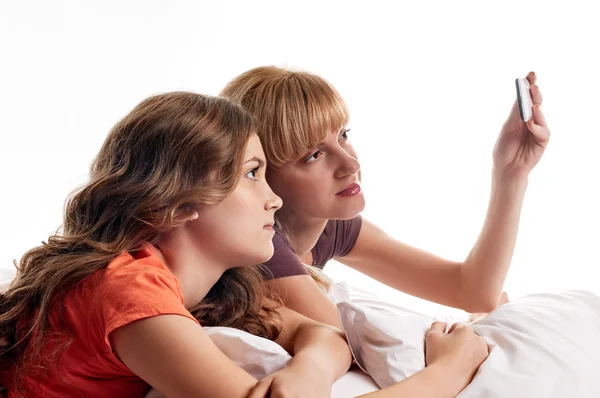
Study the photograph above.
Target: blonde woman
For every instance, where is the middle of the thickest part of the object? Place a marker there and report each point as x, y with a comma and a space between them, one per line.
314, 168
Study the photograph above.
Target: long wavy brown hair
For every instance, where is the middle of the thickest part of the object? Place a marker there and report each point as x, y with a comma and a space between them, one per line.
171, 154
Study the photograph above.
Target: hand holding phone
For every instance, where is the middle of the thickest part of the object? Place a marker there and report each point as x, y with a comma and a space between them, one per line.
524, 99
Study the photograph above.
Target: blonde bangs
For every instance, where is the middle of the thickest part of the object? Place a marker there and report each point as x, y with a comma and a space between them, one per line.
295, 110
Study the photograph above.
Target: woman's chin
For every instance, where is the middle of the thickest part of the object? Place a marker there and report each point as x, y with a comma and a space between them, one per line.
264, 255
349, 210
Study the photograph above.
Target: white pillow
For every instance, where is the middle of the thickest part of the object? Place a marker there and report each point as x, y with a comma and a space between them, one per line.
543, 346
256, 355
389, 346
387, 340
341, 291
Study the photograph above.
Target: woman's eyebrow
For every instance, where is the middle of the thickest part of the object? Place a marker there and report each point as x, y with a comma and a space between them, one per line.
260, 161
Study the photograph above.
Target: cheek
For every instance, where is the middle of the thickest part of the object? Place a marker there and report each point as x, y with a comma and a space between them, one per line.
304, 189
244, 211
310, 196
224, 231
216, 223
211, 227
299, 186
277, 183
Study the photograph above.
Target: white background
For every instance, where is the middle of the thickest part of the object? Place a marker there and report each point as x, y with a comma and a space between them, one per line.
429, 85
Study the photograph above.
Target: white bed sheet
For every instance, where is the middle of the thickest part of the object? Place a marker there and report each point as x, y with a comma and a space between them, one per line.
352, 384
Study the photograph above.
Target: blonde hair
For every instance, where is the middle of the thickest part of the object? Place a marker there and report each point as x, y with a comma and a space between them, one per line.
322, 280
295, 109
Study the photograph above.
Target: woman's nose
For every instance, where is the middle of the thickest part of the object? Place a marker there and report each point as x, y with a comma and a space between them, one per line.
273, 202
349, 165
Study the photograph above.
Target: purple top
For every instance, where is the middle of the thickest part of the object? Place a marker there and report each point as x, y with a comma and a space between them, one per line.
337, 240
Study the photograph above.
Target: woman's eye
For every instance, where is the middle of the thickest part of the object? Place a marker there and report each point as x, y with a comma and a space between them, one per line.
252, 174
344, 134
313, 157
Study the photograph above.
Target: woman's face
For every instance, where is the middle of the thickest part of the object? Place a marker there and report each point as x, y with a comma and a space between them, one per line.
239, 230
324, 183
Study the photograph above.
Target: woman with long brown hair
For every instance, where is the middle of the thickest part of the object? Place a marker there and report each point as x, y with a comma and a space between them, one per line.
162, 237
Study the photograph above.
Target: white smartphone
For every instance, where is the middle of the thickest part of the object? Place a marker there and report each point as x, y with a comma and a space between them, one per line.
524, 99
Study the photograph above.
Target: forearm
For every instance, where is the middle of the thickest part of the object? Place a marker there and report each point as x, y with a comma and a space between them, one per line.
432, 382
322, 348
485, 268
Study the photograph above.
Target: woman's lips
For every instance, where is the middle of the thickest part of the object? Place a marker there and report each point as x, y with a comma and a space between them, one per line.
350, 190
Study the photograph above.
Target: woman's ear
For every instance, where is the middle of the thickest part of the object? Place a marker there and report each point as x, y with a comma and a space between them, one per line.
186, 214
194, 215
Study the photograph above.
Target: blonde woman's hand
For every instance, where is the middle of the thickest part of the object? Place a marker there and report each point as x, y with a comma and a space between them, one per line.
461, 350
293, 382
520, 145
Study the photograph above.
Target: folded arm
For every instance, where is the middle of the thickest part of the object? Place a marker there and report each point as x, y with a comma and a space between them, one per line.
175, 356
314, 345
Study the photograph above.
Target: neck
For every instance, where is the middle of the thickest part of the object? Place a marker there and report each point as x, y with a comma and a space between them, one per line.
302, 232
196, 272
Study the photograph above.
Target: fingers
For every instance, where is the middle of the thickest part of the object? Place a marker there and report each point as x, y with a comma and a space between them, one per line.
261, 389
531, 77
538, 116
538, 127
536, 95
437, 329
541, 134
457, 325
537, 124
467, 329
452, 328
534, 90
